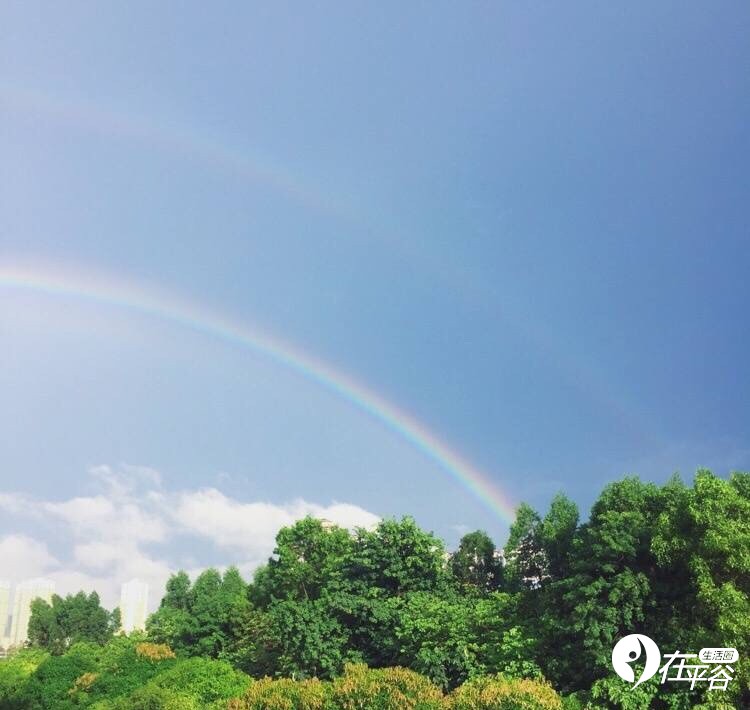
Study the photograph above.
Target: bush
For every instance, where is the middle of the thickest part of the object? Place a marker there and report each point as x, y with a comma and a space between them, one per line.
362, 688
15, 673
122, 668
202, 679
283, 694
500, 693
154, 698
154, 651
52, 685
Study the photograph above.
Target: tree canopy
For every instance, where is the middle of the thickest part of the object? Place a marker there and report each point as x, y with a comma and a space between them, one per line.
67, 620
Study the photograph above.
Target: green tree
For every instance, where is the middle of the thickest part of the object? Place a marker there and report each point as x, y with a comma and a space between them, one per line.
48, 688
526, 564
701, 544
609, 590
395, 558
308, 558
202, 619
434, 637
555, 535
504, 641
475, 564
125, 664
57, 625
302, 639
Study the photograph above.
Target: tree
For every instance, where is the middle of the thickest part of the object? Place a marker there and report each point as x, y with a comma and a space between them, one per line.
202, 681
434, 637
395, 558
74, 618
526, 564
202, 618
503, 638
301, 640
308, 558
555, 535
475, 564
609, 589
701, 544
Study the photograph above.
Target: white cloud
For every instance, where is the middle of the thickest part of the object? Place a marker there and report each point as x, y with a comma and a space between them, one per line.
251, 527
14, 503
112, 535
97, 555
22, 557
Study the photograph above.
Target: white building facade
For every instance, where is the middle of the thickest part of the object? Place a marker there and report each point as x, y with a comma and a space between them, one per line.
133, 606
4, 612
25, 593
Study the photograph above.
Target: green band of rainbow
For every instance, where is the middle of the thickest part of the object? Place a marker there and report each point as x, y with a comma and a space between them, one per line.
104, 289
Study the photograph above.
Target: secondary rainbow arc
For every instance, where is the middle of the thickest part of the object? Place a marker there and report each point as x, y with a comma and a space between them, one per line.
105, 289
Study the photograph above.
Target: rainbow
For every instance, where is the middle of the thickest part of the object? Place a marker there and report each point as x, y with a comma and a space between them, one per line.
107, 290
174, 138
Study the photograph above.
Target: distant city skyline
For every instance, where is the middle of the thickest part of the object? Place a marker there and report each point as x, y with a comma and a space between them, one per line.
15, 607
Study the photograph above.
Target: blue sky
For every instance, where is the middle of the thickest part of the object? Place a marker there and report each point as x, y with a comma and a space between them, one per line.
525, 224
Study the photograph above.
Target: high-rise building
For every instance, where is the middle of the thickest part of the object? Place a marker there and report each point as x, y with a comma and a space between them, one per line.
133, 606
25, 593
4, 609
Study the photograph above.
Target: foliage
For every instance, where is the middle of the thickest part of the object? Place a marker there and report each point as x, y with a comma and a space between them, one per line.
395, 558
154, 651
15, 673
201, 619
308, 559
304, 640
475, 564
386, 618
203, 680
362, 688
126, 664
49, 687
500, 693
503, 645
151, 697
434, 637
282, 694
69, 620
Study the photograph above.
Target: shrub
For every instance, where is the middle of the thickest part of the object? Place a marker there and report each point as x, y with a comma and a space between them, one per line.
50, 685
362, 688
15, 673
125, 665
154, 651
500, 693
155, 698
282, 694
203, 680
